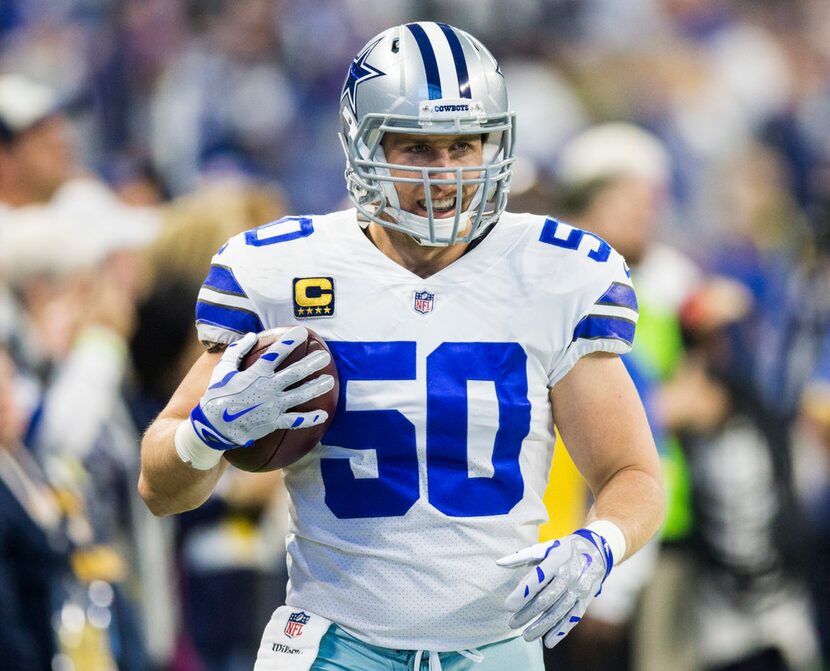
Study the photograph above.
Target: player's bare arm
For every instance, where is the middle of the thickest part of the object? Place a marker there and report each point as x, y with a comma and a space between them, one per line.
602, 422
167, 484
603, 425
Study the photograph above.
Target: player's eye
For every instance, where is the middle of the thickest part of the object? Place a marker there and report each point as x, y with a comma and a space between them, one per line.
462, 147
418, 148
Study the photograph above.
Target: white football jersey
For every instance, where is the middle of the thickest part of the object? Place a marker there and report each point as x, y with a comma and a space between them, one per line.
439, 452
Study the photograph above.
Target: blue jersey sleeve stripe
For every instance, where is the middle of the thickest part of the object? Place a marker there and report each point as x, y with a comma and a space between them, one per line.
594, 327
221, 279
460, 61
234, 319
430, 62
619, 295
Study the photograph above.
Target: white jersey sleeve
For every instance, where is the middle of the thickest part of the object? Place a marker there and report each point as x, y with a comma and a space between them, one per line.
248, 287
602, 308
225, 310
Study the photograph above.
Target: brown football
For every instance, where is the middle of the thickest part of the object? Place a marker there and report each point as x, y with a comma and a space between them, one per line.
285, 446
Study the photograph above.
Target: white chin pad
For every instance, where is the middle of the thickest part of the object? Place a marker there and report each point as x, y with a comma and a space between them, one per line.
443, 227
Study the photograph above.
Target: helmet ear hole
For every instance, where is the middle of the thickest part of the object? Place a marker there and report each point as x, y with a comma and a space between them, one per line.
396, 45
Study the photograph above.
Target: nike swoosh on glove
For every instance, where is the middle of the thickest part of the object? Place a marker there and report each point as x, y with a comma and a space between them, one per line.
568, 573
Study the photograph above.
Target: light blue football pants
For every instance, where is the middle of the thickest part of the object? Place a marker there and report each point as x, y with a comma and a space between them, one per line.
340, 651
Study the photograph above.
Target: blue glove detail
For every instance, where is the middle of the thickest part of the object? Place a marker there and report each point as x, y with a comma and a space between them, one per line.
602, 545
567, 574
208, 433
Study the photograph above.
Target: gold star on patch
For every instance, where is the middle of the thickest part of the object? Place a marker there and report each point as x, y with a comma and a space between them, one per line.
327, 310
319, 311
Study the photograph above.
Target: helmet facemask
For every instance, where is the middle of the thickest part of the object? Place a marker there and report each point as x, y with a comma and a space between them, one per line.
372, 184
390, 91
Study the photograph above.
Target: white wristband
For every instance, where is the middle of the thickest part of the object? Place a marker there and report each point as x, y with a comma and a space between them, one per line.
613, 535
192, 450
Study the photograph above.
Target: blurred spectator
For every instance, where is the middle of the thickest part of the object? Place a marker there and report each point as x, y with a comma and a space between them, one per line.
68, 254
54, 216
33, 546
225, 102
815, 406
38, 156
614, 179
35, 153
752, 606
55, 579
79, 430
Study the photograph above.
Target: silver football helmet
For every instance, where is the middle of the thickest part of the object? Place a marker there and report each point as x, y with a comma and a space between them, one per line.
430, 79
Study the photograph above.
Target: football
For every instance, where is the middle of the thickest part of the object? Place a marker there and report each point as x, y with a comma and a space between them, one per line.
284, 446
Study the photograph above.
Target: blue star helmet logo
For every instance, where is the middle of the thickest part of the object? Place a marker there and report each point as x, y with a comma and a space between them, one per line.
359, 72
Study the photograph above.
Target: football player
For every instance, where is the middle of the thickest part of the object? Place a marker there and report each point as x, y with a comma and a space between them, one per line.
461, 333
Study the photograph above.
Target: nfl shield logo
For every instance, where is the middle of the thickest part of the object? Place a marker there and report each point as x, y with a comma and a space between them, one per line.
296, 622
424, 302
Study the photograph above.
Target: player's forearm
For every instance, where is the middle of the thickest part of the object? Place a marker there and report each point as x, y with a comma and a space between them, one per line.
167, 484
634, 500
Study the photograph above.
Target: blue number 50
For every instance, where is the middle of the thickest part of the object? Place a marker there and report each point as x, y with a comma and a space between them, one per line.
449, 487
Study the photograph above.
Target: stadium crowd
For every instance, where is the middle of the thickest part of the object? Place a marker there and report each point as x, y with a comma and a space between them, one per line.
136, 136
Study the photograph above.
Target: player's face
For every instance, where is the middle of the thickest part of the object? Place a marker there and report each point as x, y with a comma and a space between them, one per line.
43, 154
625, 213
428, 151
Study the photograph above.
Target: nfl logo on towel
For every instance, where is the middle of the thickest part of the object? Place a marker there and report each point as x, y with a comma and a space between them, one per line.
296, 622
424, 302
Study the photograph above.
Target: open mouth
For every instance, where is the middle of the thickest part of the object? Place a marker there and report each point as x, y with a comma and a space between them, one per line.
441, 207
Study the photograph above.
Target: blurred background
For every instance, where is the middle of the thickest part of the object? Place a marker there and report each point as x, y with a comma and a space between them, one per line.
136, 136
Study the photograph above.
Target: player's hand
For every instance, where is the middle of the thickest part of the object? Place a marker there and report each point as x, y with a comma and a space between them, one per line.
568, 573
240, 406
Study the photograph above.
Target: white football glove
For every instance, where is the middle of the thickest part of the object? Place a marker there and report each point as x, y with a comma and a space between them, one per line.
240, 406
568, 574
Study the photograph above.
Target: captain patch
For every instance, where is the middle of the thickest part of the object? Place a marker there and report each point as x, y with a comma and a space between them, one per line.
313, 297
